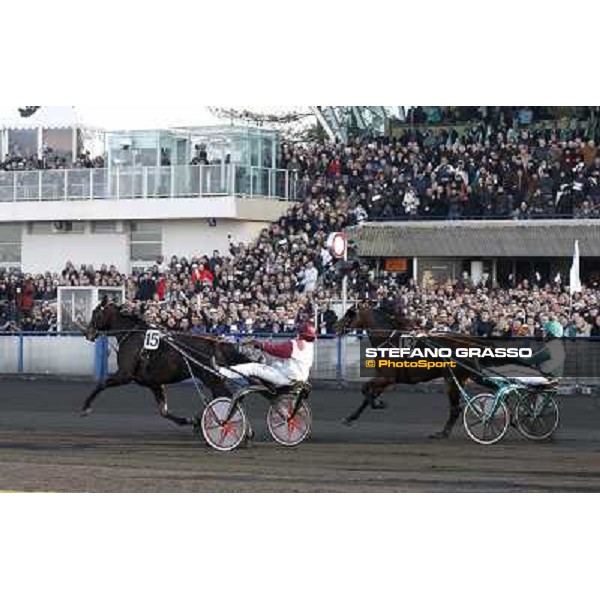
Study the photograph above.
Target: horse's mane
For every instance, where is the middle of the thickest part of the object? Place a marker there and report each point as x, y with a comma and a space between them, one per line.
396, 319
125, 313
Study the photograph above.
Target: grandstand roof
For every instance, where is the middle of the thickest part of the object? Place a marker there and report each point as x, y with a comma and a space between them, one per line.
471, 239
49, 117
339, 121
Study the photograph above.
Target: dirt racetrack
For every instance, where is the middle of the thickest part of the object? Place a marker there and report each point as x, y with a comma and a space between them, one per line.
125, 447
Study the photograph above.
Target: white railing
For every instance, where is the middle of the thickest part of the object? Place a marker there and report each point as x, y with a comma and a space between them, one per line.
187, 181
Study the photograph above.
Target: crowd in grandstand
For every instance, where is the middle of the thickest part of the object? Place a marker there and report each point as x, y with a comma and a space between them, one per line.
48, 159
476, 171
523, 310
213, 295
489, 168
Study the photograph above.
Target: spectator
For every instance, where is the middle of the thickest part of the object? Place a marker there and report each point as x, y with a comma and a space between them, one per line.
483, 326
147, 288
309, 278
201, 276
328, 320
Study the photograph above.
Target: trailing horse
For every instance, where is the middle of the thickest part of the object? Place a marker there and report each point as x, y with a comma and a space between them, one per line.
163, 366
384, 328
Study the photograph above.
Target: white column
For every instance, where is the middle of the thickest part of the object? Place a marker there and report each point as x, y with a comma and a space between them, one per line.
344, 310
74, 144
231, 178
270, 174
476, 271
287, 186
40, 141
345, 285
416, 270
145, 182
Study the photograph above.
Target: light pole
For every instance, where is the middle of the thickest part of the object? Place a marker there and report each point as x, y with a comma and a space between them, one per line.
345, 281
338, 245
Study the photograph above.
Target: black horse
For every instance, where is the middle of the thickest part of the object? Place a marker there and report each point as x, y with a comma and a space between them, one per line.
386, 328
164, 366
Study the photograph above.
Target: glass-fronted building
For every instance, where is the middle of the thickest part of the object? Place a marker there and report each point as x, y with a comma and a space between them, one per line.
218, 145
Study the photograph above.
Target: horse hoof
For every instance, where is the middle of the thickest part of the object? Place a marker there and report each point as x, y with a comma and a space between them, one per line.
440, 435
348, 422
86, 412
378, 405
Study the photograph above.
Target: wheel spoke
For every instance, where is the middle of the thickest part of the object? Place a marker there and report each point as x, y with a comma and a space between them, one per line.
473, 409
476, 410
495, 430
538, 417
485, 427
289, 431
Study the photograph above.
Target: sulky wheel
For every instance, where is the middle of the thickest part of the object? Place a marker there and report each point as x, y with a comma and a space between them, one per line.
221, 434
486, 420
536, 415
287, 428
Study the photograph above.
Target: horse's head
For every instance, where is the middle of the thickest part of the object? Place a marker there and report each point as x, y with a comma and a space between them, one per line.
355, 318
103, 319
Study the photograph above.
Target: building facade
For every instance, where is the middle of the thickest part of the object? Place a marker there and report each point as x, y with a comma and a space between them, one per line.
161, 193
502, 252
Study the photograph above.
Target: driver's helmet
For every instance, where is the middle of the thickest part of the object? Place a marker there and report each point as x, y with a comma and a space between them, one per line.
553, 329
307, 332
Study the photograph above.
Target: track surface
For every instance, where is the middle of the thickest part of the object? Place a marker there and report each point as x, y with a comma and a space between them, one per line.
125, 447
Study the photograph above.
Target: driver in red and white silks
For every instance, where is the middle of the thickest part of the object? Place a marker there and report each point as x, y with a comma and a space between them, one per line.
293, 360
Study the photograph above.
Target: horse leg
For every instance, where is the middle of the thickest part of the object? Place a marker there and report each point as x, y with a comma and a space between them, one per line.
371, 391
454, 399
116, 380
163, 408
356, 414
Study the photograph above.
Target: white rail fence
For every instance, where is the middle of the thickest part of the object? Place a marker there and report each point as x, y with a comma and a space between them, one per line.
73, 355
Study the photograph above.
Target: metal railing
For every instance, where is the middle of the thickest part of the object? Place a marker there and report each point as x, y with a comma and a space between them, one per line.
178, 181
508, 216
70, 354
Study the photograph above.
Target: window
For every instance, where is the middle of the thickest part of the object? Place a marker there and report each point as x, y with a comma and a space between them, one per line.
146, 241
56, 227
40, 228
104, 227
10, 243
68, 227
23, 142
58, 142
